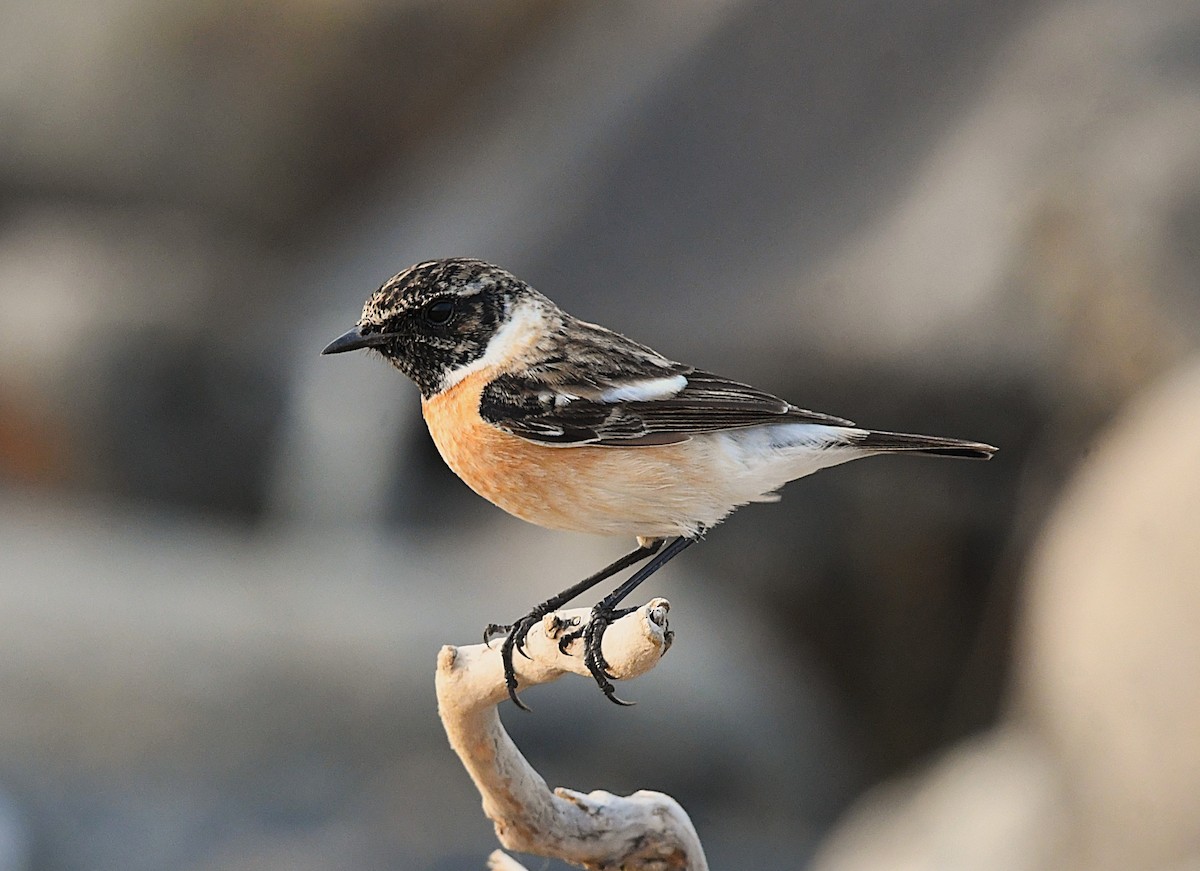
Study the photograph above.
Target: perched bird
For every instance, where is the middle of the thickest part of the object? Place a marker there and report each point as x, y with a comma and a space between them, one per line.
571, 426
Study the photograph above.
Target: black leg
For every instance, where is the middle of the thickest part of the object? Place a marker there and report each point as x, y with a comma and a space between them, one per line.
517, 632
605, 612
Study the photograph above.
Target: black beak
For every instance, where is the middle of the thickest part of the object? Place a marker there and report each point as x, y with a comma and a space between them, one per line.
353, 340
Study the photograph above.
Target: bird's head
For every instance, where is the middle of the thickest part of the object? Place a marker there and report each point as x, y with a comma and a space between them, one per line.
440, 320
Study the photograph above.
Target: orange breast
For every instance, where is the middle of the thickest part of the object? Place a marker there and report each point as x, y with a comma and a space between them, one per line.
649, 491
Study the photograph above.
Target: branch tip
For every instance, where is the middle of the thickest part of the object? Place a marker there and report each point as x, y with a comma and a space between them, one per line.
447, 657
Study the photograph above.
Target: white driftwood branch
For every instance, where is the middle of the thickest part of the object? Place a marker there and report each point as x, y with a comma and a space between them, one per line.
647, 831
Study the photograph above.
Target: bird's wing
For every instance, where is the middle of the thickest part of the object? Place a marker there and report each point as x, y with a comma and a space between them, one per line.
652, 405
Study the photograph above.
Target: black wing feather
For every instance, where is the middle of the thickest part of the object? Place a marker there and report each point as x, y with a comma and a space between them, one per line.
560, 413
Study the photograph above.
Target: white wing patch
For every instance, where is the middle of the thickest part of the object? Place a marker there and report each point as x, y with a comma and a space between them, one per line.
644, 390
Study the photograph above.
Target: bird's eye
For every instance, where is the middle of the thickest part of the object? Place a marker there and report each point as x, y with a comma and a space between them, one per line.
440, 311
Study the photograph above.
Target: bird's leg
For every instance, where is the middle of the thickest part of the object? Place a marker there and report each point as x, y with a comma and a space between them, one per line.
515, 639
555, 602
604, 613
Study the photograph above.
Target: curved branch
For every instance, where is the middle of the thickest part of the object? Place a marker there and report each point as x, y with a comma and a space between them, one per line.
646, 830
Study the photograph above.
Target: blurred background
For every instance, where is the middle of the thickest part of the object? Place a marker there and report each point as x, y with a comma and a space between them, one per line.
227, 564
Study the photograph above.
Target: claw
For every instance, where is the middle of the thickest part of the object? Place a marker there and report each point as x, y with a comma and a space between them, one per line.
520, 633
615, 699
516, 700
492, 630
515, 641
569, 639
606, 686
593, 657
510, 673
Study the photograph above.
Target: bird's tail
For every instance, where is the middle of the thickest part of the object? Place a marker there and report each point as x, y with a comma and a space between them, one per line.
932, 446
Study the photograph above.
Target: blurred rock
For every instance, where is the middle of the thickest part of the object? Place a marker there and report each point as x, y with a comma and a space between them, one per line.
991, 804
1098, 764
1110, 652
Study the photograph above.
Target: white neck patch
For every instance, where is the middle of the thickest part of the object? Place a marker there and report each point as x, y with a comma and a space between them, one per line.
525, 325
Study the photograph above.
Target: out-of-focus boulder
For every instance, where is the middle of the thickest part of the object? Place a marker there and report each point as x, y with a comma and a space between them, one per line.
991, 804
1098, 765
1110, 655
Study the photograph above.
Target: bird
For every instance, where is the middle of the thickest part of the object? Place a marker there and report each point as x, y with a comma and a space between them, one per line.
572, 426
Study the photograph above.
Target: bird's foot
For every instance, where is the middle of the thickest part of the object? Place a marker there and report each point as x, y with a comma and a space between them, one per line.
515, 635
569, 638
593, 657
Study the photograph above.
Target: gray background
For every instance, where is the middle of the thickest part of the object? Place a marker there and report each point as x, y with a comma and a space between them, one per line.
226, 564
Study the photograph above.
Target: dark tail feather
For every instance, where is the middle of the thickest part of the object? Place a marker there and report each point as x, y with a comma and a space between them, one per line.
933, 446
